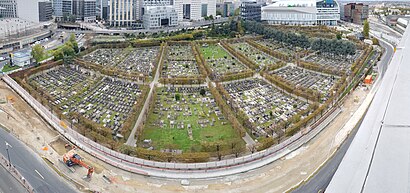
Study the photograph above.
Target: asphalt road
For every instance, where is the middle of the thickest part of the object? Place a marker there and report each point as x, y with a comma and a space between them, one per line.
32, 167
321, 180
8, 184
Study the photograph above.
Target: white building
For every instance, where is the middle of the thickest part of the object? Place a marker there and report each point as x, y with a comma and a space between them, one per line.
21, 58
195, 9
123, 12
302, 12
159, 16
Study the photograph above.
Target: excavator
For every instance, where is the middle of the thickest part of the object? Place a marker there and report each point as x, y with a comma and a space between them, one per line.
71, 158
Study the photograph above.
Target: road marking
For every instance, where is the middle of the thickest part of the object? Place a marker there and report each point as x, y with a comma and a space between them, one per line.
39, 174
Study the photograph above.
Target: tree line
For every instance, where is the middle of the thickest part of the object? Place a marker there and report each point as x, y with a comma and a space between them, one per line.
332, 46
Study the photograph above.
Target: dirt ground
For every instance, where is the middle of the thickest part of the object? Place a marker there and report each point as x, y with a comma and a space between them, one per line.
276, 177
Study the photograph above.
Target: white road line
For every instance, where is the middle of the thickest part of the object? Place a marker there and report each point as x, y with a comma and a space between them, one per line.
39, 174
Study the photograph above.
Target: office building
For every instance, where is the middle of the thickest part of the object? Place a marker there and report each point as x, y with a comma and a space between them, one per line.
45, 10
34, 10
8, 8
83, 10
194, 10
298, 12
159, 16
123, 12
250, 10
356, 12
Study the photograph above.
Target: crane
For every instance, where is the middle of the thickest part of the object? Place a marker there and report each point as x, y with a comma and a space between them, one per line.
71, 158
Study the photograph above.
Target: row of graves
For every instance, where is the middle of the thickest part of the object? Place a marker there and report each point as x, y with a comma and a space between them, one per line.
139, 60
220, 61
264, 105
334, 62
183, 119
260, 58
180, 62
62, 83
300, 77
104, 100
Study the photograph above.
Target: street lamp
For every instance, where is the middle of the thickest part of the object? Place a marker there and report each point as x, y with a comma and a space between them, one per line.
7, 149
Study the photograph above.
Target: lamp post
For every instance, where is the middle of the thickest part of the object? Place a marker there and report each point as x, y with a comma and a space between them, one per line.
7, 149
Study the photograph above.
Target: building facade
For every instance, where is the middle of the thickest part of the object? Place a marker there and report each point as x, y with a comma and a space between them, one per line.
34, 10
250, 10
82, 10
296, 12
8, 8
356, 12
194, 10
123, 12
159, 16
45, 10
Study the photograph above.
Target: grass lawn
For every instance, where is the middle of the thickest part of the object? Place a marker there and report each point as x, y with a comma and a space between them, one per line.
171, 137
213, 51
8, 68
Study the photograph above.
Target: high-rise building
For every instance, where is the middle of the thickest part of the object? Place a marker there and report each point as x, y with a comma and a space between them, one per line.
123, 12
356, 12
195, 9
102, 9
8, 8
34, 10
160, 16
84, 10
45, 10
250, 10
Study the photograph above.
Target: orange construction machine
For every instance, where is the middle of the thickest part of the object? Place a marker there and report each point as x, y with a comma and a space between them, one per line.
71, 158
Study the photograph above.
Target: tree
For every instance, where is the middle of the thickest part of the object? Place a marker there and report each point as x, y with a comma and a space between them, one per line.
202, 92
38, 52
366, 29
74, 43
375, 41
177, 97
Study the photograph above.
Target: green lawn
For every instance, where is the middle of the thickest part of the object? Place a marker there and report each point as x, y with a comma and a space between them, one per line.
213, 51
8, 68
167, 137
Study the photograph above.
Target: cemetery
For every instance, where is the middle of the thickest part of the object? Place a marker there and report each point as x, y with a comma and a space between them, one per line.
208, 94
137, 60
186, 119
334, 62
300, 77
260, 58
220, 61
180, 62
104, 100
264, 105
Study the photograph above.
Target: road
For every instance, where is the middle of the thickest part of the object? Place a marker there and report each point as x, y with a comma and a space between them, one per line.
8, 184
32, 167
322, 179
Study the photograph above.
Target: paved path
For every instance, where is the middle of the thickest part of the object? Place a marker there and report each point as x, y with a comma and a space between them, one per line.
32, 167
131, 139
